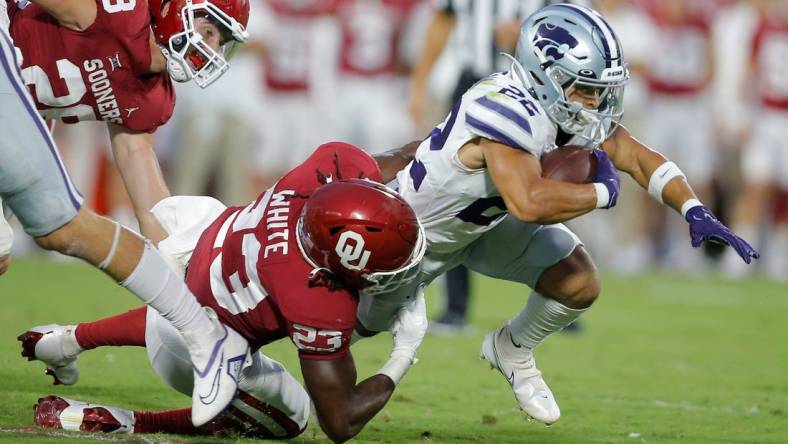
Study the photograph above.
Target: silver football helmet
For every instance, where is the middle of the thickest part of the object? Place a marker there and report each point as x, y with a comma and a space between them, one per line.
571, 60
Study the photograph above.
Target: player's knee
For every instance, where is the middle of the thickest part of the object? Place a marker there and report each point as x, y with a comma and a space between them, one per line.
276, 406
70, 239
573, 281
583, 290
58, 240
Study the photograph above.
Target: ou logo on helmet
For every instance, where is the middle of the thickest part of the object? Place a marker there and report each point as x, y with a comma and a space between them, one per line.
350, 248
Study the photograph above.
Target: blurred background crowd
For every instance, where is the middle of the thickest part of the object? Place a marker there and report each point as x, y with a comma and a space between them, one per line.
709, 90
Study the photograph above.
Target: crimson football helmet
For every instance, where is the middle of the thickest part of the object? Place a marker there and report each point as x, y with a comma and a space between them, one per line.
189, 57
363, 234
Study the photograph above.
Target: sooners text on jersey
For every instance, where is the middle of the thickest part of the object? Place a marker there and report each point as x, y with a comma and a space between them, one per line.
247, 265
101, 73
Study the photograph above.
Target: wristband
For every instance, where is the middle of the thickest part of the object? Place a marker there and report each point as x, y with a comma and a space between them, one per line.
660, 177
688, 205
401, 360
602, 195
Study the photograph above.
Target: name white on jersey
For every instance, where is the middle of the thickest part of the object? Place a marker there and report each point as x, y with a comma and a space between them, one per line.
457, 204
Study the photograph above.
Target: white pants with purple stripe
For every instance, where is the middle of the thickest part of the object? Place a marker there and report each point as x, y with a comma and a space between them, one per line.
33, 180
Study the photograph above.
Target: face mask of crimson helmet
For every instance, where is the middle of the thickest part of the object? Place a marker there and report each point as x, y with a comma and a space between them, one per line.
363, 234
190, 56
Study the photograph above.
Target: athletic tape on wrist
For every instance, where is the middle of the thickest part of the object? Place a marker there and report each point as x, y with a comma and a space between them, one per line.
688, 205
398, 365
602, 195
660, 177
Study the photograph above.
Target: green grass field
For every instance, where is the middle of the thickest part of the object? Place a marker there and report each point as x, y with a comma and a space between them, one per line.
661, 360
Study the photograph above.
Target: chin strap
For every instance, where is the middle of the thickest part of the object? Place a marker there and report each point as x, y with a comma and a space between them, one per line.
176, 68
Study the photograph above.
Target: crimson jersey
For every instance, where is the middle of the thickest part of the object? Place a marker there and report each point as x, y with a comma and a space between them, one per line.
247, 265
680, 60
769, 53
100, 73
370, 34
289, 61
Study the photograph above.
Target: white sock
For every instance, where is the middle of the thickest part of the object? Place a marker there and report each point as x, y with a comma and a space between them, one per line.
160, 287
540, 318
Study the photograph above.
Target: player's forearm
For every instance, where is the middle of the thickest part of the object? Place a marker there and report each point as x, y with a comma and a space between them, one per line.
139, 168
549, 201
436, 38
391, 162
73, 14
345, 415
368, 398
652, 171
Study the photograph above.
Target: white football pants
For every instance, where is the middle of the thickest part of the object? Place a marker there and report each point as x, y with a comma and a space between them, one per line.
267, 392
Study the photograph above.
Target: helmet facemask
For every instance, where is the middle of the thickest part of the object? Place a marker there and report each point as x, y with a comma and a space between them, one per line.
190, 57
385, 281
599, 110
571, 61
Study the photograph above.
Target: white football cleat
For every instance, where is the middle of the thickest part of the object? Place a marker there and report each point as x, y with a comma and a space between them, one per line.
57, 347
218, 356
530, 390
55, 412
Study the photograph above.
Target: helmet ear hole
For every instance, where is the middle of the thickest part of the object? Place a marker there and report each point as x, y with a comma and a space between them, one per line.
334, 230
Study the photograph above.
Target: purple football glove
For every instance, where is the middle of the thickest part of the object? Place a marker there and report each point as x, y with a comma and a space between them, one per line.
704, 226
607, 175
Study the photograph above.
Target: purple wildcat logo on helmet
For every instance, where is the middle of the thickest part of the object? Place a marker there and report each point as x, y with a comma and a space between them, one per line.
554, 41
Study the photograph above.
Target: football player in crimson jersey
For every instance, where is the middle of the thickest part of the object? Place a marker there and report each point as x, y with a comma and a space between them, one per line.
37, 188
287, 265
112, 60
765, 153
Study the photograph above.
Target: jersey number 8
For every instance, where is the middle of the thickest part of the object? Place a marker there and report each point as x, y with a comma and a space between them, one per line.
113, 6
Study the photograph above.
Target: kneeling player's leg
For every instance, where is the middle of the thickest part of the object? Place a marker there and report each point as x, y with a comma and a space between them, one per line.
58, 346
270, 402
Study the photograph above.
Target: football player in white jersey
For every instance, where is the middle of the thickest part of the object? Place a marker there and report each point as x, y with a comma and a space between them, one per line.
476, 185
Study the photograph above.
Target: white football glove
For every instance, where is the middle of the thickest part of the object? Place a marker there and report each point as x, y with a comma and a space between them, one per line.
410, 326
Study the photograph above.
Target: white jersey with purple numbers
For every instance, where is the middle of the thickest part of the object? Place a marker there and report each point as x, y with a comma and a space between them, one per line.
457, 204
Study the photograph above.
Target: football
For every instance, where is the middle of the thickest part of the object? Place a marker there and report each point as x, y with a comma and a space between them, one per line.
569, 163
